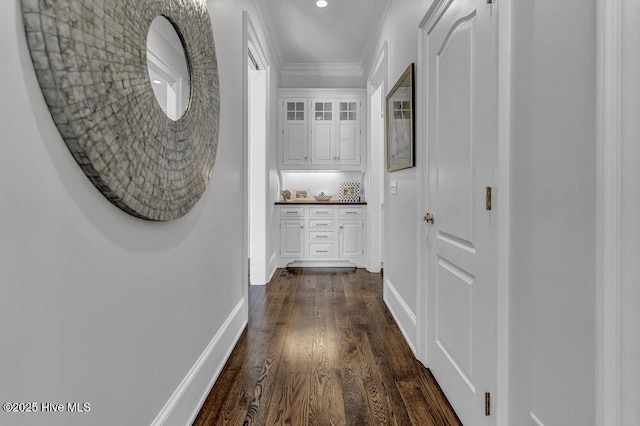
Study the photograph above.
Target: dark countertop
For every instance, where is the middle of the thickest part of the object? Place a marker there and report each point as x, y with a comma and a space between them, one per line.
330, 202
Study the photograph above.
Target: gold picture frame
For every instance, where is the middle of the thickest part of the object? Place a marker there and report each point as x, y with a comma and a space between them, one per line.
399, 125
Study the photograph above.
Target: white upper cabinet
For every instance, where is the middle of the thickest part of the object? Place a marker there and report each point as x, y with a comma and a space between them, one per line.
294, 132
347, 147
322, 129
322, 133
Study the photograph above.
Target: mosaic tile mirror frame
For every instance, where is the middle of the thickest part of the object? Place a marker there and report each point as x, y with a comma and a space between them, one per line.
90, 58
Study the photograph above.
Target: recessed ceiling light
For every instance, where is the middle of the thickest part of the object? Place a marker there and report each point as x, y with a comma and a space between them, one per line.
322, 3
157, 81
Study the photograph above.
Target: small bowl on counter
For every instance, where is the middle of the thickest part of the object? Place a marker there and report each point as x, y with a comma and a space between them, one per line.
322, 197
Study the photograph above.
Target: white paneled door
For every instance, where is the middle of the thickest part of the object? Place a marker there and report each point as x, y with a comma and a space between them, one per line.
459, 51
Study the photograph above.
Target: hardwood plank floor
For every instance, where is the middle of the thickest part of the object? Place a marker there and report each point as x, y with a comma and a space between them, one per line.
321, 348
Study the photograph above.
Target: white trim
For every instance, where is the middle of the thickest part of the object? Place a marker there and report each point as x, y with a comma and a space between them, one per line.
295, 263
503, 194
252, 42
422, 161
535, 421
404, 316
377, 78
608, 145
185, 402
321, 93
274, 266
247, 31
321, 69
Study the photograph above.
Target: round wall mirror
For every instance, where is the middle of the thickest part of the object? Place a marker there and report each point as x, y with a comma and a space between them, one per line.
168, 68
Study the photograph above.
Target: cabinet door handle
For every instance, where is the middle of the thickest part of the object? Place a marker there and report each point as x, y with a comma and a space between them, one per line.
301, 226
351, 212
341, 227
322, 251
322, 236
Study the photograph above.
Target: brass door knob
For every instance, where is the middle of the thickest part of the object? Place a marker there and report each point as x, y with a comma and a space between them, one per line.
429, 218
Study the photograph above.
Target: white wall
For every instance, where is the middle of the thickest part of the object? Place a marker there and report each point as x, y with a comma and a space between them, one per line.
553, 213
96, 305
401, 222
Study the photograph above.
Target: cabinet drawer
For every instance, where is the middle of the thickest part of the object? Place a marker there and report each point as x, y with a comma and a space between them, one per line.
321, 236
319, 250
351, 212
321, 212
321, 224
297, 211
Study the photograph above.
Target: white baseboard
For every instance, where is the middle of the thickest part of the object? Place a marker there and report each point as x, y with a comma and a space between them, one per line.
405, 318
185, 403
273, 264
273, 261
534, 421
335, 263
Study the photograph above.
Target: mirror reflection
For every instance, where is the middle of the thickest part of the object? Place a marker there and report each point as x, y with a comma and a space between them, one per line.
168, 68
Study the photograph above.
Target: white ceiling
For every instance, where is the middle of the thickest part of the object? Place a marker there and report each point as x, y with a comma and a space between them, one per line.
341, 33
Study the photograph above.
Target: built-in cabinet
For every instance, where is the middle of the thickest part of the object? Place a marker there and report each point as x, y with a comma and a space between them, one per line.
319, 233
322, 129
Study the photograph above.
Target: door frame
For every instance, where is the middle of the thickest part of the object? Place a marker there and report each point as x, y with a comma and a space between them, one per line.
608, 144
616, 99
377, 80
250, 42
502, 202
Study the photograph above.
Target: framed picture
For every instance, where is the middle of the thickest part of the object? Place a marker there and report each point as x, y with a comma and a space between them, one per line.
349, 191
301, 194
400, 127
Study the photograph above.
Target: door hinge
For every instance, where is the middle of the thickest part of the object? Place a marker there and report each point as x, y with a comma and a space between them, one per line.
487, 404
488, 198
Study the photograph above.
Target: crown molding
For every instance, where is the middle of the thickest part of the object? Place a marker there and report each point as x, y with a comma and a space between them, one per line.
322, 69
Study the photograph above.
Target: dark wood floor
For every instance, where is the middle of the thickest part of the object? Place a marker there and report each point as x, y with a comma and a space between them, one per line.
322, 348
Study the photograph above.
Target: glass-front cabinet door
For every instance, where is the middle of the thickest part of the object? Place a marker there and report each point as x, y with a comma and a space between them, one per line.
322, 133
348, 131
294, 133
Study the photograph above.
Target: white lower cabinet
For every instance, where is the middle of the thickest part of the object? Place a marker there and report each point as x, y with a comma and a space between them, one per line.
351, 238
292, 238
327, 235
